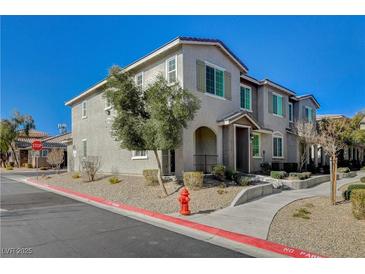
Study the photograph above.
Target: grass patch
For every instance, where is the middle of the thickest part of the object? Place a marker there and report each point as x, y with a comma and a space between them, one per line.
302, 213
114, 180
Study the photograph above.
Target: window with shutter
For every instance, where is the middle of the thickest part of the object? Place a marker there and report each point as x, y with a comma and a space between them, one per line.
214, 78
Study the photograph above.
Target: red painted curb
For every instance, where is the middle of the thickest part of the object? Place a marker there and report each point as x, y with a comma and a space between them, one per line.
236, 237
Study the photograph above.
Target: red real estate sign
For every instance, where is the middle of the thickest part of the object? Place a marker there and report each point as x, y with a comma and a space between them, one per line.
37, 145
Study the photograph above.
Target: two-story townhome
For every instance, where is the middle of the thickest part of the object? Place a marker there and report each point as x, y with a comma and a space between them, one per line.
242, 121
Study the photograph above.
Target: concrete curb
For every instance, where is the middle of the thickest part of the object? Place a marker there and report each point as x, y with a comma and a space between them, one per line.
238, 242
252, 193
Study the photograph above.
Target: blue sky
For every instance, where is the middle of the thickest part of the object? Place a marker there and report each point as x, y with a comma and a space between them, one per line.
47, 60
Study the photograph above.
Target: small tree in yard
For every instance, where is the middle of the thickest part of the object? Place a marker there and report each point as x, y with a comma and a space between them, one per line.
149, 119
90, 165
307, 135
331, 141
55, 158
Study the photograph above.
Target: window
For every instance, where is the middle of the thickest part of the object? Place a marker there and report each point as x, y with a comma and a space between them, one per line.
246, 98
308, 114
84, 110
291, 112
44, 153
139, 154
256, 146
171, 70
277, 104
214, 78
84, 148
139, 80
277, 144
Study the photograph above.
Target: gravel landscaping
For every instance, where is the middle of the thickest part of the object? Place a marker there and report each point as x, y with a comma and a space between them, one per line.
133, 191
320, 227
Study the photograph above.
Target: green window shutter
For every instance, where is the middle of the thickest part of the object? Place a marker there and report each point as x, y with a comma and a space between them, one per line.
227, 86
284, 107
270, 104
200, 75
219, 83
242, 97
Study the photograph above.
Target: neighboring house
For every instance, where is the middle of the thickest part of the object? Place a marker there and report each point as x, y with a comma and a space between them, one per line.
25, 154
242, 121
54, 142
353, 156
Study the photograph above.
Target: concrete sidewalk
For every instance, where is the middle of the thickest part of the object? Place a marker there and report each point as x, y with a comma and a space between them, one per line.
254, 218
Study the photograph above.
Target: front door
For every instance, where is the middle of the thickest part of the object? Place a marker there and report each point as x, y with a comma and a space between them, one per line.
242, 149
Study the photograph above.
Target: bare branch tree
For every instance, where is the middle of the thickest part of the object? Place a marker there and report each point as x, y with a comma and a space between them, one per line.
307, 135
90, 165
330, 132
55, 158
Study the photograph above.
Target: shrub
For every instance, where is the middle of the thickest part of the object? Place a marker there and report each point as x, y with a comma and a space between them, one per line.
229, 174
114, 180
266, 168
193, 179
347, 193
362, 179
76, 175
244, 180
8, 167
278, 174
300, 176
218, 172
28, 165
150, 176
363, 168
358, 203
343, 170
302, 213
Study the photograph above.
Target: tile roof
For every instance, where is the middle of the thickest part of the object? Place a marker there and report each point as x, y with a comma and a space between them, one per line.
54, 141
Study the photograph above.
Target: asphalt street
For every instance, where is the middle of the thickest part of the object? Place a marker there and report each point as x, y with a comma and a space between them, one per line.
37, 223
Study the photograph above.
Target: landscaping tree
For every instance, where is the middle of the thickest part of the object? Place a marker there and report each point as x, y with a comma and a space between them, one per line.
90, 165
10, 129
307, 135
55, 158
149, 119
330, 132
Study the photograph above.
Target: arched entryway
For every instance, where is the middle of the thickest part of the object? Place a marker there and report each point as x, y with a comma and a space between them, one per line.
205, 149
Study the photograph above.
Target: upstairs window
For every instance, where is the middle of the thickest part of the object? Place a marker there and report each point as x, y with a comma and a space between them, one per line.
84, 109
291, 112
246, 98
171, 70
139, 80
277, 104
309, 114
214, 80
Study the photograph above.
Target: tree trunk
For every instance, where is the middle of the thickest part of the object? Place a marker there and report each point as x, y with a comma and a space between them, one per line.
333, 168
159, 177
15, 157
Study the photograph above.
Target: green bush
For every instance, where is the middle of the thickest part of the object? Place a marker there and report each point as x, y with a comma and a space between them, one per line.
8, 167
278, 174
218, 172
193, 179
358, 203
76, 175
229, 174
343, 170
150, 176
363, 168
114, 180
362, 179
300, 176
244, 180
348, 193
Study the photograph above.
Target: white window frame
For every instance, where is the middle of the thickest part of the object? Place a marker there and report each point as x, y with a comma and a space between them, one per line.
215, 67
250, 88
136, 79
259, 156
84, 141
138, 157
84, 109
291, 111
167, 70
278, 134
282, 101
310, 120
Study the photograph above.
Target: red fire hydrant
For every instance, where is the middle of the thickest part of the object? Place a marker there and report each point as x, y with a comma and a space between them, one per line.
184, 202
